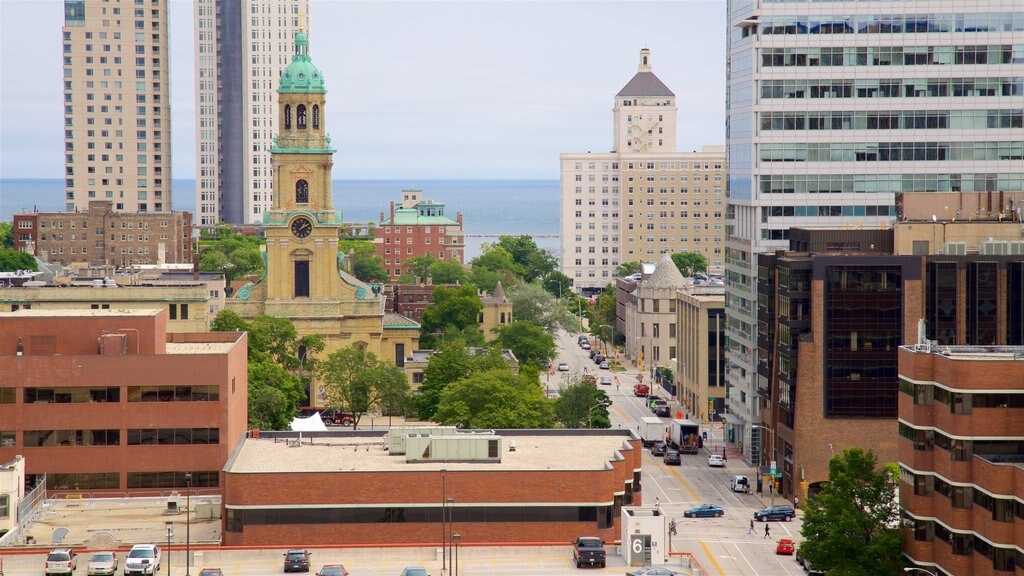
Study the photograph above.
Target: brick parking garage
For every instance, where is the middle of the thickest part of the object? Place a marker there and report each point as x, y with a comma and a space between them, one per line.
349, 488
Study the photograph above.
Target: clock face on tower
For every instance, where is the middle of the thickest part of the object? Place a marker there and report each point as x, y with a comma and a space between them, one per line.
302, 227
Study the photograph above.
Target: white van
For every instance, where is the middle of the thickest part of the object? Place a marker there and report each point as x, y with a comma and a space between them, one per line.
740, 484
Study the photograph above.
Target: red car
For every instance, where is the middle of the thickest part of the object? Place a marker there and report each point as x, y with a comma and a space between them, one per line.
785, 546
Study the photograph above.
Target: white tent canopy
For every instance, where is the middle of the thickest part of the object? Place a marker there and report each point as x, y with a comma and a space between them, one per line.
311, 424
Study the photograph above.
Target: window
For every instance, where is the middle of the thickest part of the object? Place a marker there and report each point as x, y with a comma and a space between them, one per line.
5, 506
300, 117
316, 116
302, 192
287, 116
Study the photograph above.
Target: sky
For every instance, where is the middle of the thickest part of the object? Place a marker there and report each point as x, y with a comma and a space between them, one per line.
476, 89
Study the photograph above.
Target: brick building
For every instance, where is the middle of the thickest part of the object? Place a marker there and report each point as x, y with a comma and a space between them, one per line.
99, 402
962, 458
349, 487
417, 227
100, 235
410, 300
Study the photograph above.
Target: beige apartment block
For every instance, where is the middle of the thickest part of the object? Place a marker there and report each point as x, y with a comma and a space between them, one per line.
700, 367
100, 236
241, 48
117, 114
643, 198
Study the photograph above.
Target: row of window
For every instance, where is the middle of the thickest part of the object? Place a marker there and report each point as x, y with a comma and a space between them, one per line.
891, 151
889, 183
112, 480
893, 55
893, 87
960, 402
1004, 559
82, 395
894, 23
892, 120
783, 211
136, 437
960, 450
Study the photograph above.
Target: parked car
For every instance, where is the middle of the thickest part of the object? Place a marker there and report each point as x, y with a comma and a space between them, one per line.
211, 572
716, 460
658, 449
651, 571
563, 367
664, 410
654, 405
651, 400
585, 345
61, 561
102, 563
640, 390
338, 570
740, 484
598, 358
296, 560
704, 511
785, 547
589, 551
604, 364
672, 458
593, 353
777, 512
142, 559
415, 571
606, 380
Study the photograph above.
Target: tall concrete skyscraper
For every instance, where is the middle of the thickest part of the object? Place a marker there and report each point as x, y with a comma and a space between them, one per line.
836, 109
643, 198
117, 113
241, 48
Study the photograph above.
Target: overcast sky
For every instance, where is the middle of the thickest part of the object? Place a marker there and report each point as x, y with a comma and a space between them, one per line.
419, 90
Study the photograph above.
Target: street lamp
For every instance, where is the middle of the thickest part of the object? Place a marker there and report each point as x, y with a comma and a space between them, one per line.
451, 510
455, 538
590, 412
761, 459
170, 532
444, 500
188, 522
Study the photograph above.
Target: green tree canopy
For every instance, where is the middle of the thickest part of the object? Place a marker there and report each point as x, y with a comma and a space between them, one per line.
356, 381
851, 527
558, 284
627, 269
495, 399
234, 255
274, 394
573, 408
12, 260
453, 361
494, 265
690, 263
448, 272
458, 308
531, 260
366, 265
419, 266
419, 269
6, 235
532, 303
528, 342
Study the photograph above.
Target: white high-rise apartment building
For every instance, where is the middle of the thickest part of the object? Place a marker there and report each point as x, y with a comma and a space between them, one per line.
117, 113
643, 198
834, 108
241, 48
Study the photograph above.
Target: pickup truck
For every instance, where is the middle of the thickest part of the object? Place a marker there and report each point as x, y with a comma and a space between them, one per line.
589, 551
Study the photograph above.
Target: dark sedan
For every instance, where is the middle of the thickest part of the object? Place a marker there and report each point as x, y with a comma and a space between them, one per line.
296, 561
704, 511
658, 449
672, 458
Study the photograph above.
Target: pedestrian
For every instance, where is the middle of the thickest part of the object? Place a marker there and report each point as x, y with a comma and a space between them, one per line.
751, 530
796, 502
767, 531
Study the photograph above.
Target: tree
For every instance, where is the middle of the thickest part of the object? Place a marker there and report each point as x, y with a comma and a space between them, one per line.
356, 381
528, 342
366, 265
495, 399
690, 263
602, 316
234, 255
493, 265
448, 272
12, 260
558, 284
274, 394
532, 303
532, 261
627, 269
851, 527
451, 362
452, 307
573, 406
419, 266
6, 235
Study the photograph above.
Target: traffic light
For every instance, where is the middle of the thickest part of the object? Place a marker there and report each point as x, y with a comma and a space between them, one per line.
711, 406
804, 485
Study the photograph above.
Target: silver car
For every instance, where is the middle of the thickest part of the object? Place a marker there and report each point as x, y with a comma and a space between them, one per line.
61, 561
103, 564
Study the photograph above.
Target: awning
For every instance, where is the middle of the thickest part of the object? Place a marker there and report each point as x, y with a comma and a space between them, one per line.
732, 419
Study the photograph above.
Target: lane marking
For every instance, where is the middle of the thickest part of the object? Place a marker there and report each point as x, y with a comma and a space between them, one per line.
742, 555
712, 557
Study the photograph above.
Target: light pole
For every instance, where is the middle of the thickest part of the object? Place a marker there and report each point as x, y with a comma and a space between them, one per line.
451, 510
455, 538
170, 532
188, 522
444, 534
761, 459
590, 412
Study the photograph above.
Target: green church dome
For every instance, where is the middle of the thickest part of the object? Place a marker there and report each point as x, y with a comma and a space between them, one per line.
301, 76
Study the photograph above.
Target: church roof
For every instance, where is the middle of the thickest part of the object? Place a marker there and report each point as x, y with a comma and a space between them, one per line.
666, 275
498, 296
645, 84
301, 75
392, 320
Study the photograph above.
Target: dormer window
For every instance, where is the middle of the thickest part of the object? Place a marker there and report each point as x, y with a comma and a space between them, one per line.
300, 116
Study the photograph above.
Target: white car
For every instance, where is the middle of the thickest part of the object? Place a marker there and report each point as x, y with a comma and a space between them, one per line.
585, 345
103, 564
563, 367
61, 561
143, 559
716, 460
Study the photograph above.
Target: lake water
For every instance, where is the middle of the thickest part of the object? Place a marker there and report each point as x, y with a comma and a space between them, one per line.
488, 206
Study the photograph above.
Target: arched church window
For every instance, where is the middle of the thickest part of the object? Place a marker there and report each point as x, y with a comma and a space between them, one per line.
316, 116
287, 116
300, 116
302, 192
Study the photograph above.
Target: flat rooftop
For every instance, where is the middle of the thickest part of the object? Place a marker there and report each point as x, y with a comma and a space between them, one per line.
970, 352
199, 347
345, 452
79, 313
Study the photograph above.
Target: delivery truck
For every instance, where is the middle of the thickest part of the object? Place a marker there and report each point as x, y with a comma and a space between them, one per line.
684, 435
652, 430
